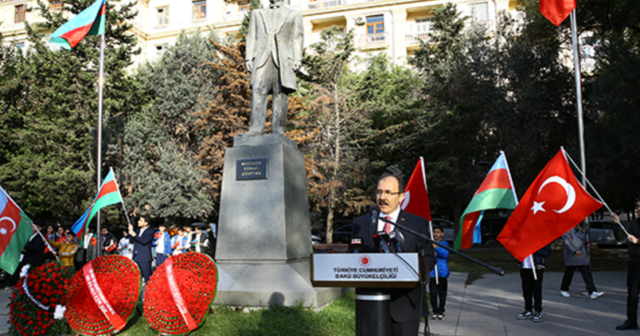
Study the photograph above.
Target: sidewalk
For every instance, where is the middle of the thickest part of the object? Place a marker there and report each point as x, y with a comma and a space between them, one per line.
489, 305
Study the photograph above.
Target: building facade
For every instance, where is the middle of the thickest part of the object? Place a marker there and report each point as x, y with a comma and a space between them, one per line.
390, 26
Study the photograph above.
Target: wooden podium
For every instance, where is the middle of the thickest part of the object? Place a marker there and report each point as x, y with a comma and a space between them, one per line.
370, 273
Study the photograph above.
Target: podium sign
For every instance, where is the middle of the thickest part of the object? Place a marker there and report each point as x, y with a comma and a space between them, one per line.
365, 270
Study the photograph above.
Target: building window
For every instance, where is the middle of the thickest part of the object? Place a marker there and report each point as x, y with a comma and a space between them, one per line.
479, 12
20, 47
20, 14
243, 6
163, 16
199, 9
423, 25
161, 48
375, 28
56, 5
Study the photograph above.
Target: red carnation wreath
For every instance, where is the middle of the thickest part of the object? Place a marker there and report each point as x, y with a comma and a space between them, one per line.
115, 282
195, 280
37, 298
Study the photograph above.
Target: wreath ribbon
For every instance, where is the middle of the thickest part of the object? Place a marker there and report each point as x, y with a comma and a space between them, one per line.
57, 310
99, 298
177, 297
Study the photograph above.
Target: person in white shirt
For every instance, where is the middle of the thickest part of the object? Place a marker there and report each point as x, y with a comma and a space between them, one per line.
125, 248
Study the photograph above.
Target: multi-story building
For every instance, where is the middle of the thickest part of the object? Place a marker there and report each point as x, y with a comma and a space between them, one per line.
390, 26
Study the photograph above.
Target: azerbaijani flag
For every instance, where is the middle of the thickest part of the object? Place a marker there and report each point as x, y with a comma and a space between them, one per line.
15, 231
495, 192
90, 21
107, 195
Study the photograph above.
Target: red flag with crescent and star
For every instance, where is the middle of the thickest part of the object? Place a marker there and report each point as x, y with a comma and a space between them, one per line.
554, 203
416, 194
15, 231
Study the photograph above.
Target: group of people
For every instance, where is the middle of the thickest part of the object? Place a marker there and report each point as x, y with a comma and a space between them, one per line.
148, 247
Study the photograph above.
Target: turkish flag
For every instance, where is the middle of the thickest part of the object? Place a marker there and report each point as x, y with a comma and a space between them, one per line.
554, 203
416, 196
557, 10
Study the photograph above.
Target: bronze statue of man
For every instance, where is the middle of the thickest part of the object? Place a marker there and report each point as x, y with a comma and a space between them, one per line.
274, 52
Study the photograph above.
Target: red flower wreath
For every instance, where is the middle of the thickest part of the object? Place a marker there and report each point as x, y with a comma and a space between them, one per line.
197, 278
119, 280
31, 312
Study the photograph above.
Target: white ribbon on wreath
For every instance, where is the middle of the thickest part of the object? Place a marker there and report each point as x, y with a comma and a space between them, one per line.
57, 310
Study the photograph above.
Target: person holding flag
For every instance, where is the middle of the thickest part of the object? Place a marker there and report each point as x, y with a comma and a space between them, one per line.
554, 203
633, 272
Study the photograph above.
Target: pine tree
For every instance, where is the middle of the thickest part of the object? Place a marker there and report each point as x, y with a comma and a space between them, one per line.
158, 173
51, 174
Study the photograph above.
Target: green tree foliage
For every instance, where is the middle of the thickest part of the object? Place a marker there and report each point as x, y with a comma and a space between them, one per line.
336, 152
158, 172
451, 132
51, 168
253, 4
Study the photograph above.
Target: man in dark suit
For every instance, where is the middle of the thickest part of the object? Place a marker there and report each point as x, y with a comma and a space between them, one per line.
142, 239
32, 253
405, 302
274, 51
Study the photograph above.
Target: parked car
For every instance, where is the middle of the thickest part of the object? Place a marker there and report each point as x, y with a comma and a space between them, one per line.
342, 234
606, 233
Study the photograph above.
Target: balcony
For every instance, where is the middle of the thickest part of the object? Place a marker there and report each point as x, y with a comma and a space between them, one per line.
416, 37
374, 41
233, 16
334, 3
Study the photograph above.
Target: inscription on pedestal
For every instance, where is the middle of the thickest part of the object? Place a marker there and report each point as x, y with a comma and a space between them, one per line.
251, 169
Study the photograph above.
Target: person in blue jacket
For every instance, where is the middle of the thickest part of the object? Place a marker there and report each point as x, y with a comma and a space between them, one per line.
439, 283
162, 244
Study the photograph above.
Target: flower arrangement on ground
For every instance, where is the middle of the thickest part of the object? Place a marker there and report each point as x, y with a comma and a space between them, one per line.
101, 296
38, 299
180, 292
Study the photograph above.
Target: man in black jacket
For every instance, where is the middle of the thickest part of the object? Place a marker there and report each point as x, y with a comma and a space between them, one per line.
32, 253
405, 302
633, 273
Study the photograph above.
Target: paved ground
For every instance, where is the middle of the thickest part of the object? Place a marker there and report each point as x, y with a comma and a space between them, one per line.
488, 307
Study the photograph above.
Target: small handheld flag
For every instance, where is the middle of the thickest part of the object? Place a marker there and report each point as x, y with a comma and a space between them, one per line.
91, 21
107, 195
15, 231
495, 192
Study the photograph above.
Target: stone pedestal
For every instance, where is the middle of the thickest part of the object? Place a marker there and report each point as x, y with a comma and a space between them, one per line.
264, 234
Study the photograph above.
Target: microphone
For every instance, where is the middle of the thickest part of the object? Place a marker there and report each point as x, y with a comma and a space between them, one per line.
356, 245
397, 239
382, 238
374, 210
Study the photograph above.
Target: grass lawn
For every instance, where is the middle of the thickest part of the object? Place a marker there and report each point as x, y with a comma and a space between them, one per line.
336, 319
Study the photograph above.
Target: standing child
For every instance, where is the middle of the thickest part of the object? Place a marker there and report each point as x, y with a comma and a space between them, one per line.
532, 285
438, 291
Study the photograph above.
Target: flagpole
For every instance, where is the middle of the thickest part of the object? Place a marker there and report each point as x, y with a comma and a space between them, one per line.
46, 241
576, 62
424, 179
121, 199
593, 188
99, 170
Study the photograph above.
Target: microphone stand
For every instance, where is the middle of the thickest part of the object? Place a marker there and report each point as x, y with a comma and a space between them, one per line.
423, 240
